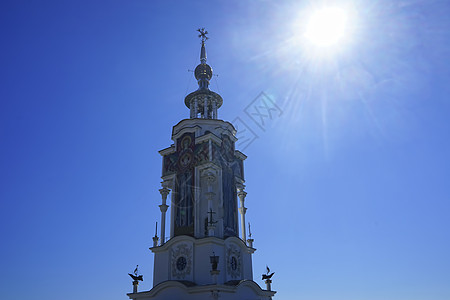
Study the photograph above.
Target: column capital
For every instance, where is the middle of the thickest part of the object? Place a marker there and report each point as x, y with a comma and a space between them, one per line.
166, 183
163, 207
164, 191
240, 187
241, 194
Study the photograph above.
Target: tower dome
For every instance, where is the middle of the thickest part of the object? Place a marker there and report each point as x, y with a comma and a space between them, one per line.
203, 71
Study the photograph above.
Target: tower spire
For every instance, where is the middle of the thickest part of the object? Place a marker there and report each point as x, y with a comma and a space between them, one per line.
203, 72
203, 36
203, 102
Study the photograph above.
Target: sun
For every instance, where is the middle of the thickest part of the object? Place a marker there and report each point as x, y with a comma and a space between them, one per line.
327, 26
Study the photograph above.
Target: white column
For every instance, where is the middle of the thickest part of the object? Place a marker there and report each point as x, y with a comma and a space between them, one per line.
242, 210
163, 207
214, 109
191, 107
268, 284
205, 108
195, 107
135, 286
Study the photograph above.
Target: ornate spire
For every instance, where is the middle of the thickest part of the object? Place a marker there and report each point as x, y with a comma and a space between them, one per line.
202, 35
203, 102
203, 72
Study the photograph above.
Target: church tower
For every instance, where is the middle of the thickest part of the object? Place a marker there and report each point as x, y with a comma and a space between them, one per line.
207, 255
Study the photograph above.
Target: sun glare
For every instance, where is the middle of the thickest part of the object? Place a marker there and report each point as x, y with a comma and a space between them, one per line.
327, 26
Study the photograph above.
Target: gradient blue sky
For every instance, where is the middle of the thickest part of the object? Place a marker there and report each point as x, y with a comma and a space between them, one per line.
348, 190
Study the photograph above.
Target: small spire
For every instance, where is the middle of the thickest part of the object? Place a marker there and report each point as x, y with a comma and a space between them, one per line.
203, 72
156, 238
203, 36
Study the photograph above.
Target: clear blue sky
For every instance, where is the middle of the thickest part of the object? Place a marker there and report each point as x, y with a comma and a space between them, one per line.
348, 190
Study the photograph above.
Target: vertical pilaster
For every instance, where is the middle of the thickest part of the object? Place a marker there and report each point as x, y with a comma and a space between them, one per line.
163, 207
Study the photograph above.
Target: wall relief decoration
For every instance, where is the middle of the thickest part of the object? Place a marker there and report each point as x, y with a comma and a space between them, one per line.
234, 261
181, 261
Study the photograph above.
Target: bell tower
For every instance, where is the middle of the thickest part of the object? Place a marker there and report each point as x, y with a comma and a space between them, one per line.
206, 255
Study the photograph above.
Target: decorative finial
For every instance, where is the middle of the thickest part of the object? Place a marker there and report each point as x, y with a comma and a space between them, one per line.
211, 222
249, 231
203, 34
136, 279
267, 277
156, 238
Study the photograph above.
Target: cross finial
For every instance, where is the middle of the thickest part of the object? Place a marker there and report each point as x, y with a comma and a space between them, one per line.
202, 34
211, 222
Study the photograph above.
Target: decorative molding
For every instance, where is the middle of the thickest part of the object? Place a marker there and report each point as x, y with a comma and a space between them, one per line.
168, 150
168, 181
240, 155
197, 242
209, 136
202, 289
180, 132
181, 261
234, 261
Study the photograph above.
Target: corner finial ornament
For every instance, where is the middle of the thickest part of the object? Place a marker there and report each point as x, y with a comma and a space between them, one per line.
268, 278
136, 279
135, 275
